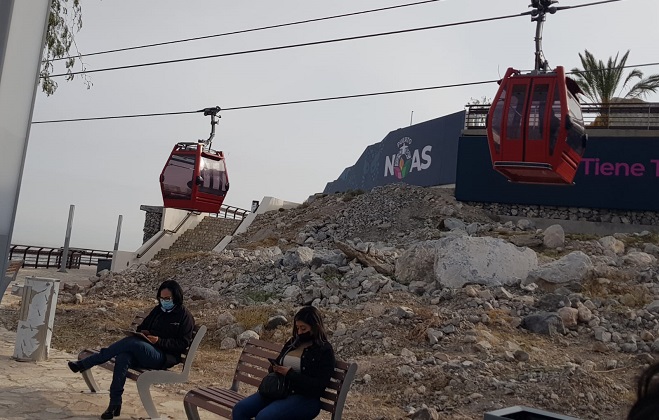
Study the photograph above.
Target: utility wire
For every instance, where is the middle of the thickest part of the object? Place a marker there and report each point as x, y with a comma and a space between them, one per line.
243, 31
284, 47
303, 101
116, 117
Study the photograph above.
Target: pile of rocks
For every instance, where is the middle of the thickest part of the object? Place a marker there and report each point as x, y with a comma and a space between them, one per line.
446, 310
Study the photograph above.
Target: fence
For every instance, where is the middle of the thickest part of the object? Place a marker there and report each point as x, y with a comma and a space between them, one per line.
47, 257
230, 212
613, 116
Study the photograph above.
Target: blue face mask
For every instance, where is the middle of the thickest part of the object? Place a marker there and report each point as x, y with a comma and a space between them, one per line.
167, 305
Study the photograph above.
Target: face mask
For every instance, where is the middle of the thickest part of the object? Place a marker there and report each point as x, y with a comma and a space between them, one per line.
304, 337
167, 305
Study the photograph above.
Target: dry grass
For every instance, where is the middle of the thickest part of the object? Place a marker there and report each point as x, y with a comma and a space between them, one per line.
263, 243
253, 316
634, 295
633, 241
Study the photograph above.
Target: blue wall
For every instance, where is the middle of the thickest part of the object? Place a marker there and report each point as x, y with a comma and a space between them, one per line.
422, 154
625, 178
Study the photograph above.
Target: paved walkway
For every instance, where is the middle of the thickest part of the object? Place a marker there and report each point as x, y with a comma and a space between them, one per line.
49, 390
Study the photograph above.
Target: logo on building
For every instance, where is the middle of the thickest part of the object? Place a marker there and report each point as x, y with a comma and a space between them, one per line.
406, 161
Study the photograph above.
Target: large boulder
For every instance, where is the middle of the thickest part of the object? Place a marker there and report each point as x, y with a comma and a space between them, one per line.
417, 263
554, 236
609, 243
640, 259
482, 260
574, 267
324, 257
546, 323
298, 256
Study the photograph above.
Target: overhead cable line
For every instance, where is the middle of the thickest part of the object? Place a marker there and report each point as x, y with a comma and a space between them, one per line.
271, 104
303, 101
117, 117
243, 31
307, 44
284, 47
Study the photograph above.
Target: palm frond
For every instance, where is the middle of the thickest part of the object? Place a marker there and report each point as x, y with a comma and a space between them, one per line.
600, 81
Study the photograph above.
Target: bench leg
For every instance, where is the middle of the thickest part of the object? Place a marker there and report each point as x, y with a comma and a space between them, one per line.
144, 389
191, 411
89, 380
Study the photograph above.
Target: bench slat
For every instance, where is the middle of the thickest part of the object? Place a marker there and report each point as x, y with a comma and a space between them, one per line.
256, 361
264, 344
252, 366
263, 353
242, 378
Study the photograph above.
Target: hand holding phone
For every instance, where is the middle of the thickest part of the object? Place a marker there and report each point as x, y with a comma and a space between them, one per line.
273, 362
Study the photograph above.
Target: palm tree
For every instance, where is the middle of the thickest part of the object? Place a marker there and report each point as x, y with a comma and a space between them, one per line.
600, 82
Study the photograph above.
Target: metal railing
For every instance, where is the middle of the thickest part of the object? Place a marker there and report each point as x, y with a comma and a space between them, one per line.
613, 116
235, 212
47, 257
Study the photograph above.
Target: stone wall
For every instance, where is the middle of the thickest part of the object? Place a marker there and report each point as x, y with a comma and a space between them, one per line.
152, 221
571, 213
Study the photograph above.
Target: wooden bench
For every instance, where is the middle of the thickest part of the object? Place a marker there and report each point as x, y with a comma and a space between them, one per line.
252, 367
147, 377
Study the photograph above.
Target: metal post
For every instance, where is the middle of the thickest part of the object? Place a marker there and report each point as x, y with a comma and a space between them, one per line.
116, 238
67, 239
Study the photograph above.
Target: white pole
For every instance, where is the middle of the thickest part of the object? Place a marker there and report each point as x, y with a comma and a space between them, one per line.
22, 37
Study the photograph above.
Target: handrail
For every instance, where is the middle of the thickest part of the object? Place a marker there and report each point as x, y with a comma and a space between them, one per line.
34, 256
237, 212
613, 116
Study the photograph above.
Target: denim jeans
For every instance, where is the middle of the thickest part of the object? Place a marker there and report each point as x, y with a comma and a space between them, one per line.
293, 407
128, 352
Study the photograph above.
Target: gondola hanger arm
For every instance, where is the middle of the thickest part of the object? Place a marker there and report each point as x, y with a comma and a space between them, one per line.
213, 113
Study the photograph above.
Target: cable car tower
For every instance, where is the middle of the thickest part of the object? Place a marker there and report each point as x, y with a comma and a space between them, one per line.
195, 176
535, 127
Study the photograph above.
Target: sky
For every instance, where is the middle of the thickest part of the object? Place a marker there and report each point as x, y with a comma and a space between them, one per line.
110, 168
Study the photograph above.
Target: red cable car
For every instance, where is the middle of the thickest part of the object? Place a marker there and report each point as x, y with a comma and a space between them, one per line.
195, 176
535, 128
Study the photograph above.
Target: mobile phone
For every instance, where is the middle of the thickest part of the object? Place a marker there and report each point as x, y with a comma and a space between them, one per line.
273, 361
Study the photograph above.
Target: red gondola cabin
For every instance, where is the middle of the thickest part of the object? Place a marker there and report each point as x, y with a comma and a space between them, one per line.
194, 178
535, 128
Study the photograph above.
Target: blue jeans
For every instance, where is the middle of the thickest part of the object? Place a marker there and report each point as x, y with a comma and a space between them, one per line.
128, 352
293, 407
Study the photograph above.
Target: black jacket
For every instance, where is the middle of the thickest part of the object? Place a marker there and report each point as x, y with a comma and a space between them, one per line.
174, 330
316, 368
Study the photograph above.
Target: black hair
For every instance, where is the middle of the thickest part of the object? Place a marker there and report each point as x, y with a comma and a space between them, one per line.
311, 316
646, 406
175, 288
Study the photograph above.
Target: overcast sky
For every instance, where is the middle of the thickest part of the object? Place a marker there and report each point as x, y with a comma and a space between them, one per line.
110, 168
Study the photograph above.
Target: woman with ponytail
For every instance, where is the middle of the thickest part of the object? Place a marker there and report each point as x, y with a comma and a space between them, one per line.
307, 362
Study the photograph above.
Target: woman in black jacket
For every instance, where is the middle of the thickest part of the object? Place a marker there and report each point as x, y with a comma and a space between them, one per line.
307, 361
646, 406
168, 332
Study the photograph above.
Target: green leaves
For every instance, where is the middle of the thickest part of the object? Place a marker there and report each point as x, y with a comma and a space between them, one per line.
602, 82
65, 19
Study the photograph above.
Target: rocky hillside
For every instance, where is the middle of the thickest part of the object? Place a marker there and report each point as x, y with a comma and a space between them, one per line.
448, 312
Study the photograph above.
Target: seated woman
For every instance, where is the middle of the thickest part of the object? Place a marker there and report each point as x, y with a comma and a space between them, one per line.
168, 327
307, 361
